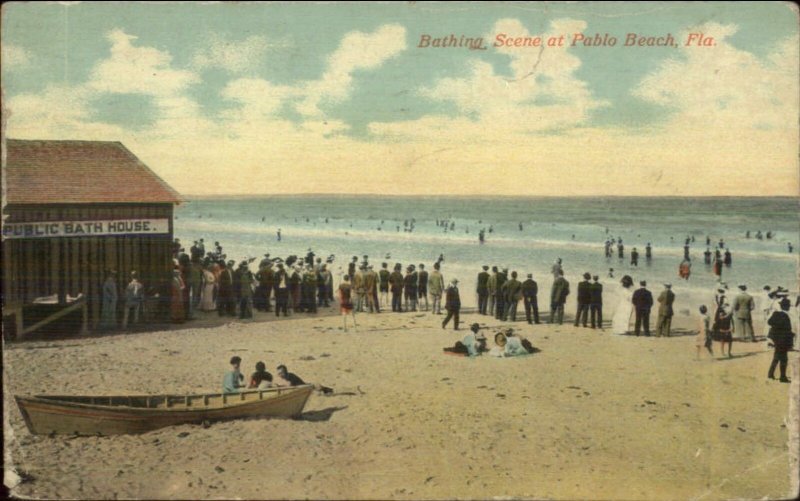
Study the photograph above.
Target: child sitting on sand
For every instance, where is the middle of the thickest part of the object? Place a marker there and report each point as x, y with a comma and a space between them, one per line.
472, 345
511, 345
233, 379
260, 379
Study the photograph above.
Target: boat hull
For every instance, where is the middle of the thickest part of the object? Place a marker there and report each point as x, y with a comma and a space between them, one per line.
47, 415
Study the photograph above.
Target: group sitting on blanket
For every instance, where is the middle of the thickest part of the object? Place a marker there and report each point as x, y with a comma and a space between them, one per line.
507, 344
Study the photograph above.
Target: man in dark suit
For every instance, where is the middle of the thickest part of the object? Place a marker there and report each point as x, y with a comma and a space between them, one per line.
499, 295
512, 293
452, 304
596, 304
642, 303
225, 292
383, 277
558, 296
529, 291
665, 300
584, 299
396, 286
482, 290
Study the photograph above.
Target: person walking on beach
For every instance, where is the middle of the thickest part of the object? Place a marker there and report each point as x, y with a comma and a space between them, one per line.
452, 304
345, 301
634, 257
584, 300
665, 311
383, 277
512, 295
482, 290
422, 286
436, 288
530, 289
704, 338
743, 306
620, 249
642, 303
396, 284
281, 280
491, 290
558, 296
596, 303
782, 337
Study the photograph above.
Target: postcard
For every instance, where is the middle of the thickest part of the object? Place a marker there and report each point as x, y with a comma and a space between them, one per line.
422, 250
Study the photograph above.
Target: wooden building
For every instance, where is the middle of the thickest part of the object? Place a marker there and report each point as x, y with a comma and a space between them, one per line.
72, 210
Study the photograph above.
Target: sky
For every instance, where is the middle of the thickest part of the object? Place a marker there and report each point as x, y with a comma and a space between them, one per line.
283, 98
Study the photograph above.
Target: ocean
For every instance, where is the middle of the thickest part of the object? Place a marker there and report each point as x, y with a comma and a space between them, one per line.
573, 229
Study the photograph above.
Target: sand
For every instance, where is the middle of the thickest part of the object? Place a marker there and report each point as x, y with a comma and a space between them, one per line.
592, 416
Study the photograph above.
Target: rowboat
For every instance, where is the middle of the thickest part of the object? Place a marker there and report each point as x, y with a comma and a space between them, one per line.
114, 415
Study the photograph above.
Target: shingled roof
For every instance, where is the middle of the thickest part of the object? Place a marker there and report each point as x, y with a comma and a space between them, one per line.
80, 172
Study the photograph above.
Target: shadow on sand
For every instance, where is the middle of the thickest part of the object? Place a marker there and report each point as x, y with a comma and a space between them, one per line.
320, 415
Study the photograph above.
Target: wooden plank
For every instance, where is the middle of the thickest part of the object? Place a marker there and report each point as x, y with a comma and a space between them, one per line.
55, 316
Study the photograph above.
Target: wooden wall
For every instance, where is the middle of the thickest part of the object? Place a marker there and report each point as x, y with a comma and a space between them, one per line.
73, 265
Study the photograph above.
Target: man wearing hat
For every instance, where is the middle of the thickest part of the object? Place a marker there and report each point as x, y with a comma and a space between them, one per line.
584, 300
512, 295
371, 289
665, 312
225, 305
558, 296
482, 290
383, 279
281, 283
264, 290
246, 281
782, 337
529, 292
410, 288
642, 303
743, 305
491, 290
499, 295
396, 285
596, 304
452, 304
422, 286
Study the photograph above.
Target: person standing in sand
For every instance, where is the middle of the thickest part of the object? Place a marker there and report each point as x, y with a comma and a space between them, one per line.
704, 339
642, 303
622, 314
491, 290
281, 280
596, 304
482, 291
723, 327
782, 337
207, 302
558, 296
665, 311
396, 284
584, 300
383, 277
108, 318
345, 301
512, 293
743, 306
422, 286
436, 288
134, 296
530, 290
452, 304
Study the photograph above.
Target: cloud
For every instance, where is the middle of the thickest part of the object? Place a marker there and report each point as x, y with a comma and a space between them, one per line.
138, 70
541, 93
235, 56
723, 87
15, 57
356, 51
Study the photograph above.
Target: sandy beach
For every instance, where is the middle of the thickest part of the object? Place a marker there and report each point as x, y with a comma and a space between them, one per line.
591, 416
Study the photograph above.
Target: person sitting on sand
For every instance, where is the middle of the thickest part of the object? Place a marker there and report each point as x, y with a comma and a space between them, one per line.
472, 345
233, 379
511, 345
260, 379
286, 378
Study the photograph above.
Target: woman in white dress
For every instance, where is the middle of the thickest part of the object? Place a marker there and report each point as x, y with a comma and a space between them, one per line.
207, 302
622, 315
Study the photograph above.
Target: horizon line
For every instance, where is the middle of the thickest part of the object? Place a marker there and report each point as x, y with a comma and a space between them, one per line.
480, 195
